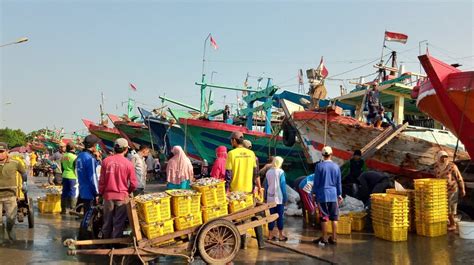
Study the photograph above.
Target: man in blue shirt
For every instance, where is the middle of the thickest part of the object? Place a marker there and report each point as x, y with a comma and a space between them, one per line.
86, 171
327, 191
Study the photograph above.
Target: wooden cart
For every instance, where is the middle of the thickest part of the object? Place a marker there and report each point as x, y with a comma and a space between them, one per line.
217, 241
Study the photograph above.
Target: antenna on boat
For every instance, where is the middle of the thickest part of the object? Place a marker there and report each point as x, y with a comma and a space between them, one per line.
101, 107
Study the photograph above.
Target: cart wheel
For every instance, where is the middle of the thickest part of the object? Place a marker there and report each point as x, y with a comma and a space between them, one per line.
31, 214
219, 242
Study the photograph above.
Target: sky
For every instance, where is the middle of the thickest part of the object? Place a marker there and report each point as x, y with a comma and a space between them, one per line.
80, 49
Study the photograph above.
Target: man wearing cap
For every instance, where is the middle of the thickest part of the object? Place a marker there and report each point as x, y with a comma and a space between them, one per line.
117, 182
328, 193
242, 174
56, 159
86, 171
8, 187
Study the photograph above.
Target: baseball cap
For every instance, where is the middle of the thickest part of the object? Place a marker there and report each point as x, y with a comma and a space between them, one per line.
247, 144
236, 135
121, 142
90, 141
3, 146
327, 150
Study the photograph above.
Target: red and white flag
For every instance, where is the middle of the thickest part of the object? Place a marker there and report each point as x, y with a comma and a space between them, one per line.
214, 43
133, 87
322, 69
397, 37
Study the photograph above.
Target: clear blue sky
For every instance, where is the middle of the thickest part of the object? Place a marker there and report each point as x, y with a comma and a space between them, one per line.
79, 49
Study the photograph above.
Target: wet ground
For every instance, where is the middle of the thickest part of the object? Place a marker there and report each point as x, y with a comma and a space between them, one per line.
43, 245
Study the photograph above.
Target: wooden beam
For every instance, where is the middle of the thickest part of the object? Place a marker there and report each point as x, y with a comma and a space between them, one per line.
265, 220
396, 94
398, 110
133, 219
124, 240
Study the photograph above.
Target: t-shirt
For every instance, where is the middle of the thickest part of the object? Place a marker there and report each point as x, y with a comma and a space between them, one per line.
242, 162
327, 181
67, 164
8, 175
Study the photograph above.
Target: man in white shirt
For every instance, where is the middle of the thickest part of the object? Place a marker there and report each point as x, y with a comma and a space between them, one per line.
138, 161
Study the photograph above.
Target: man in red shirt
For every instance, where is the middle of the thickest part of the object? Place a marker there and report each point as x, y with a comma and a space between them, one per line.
117, 181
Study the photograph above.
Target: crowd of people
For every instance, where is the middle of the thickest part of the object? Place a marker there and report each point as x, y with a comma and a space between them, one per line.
86, 177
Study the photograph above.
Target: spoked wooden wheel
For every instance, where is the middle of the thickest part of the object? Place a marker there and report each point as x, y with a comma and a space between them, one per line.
219, 242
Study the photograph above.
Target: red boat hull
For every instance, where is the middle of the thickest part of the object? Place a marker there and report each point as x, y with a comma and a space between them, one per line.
454, 106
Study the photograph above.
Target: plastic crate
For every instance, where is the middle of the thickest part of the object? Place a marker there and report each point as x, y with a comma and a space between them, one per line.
358, 220
213, 212
153, 211
184, 222
238, 205
155, 230
409, 193
390, 233
184, 205
431, 229
50, 207
41, 204
53, 197
343, 225
212, 195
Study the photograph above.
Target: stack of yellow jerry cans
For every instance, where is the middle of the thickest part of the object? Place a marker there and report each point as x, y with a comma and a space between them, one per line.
431, 207
51, 203
390, 216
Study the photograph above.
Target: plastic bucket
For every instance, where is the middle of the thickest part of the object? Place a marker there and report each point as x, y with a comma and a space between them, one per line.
466, 230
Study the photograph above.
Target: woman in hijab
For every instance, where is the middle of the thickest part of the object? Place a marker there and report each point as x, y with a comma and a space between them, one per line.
218, 169
179, 170
444, 169
275, 191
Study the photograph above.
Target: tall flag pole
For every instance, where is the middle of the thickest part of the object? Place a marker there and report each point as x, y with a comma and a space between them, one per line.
204, 52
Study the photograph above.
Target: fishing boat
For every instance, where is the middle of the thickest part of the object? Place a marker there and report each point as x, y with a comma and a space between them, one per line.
167, 134
106, 134
135, 132
208, 135
448, 97
410, 151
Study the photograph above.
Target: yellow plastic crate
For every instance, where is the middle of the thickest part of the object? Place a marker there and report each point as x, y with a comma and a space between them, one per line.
343, 225
358, 220
155, 230
390, 233
153, 211
409, 193
53, 197
183, 205
238, 205
41, 204
184, 222
50, 207
212, 195
431, 229
213, 212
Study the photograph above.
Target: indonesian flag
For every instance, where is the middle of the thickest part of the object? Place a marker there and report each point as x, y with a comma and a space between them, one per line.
133, 87
322, 69
394, 36
214, 43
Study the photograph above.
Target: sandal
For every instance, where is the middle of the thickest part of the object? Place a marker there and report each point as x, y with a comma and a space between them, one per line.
284, 238
273, 238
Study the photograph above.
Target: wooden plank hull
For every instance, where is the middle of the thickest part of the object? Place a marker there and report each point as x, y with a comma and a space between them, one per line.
404, 155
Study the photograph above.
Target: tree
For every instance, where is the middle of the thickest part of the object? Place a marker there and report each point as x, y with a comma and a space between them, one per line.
12, 137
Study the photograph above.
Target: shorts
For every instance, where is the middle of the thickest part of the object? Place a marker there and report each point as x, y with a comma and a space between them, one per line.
453, 202
328, 211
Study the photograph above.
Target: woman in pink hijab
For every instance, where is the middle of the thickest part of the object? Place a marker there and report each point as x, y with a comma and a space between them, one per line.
218, 169
179, 171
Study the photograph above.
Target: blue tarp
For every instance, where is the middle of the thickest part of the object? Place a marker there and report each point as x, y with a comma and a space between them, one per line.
295, 98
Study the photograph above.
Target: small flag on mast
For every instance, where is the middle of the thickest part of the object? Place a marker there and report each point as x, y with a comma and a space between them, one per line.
397, 37
322, 69
214, 43
133, 87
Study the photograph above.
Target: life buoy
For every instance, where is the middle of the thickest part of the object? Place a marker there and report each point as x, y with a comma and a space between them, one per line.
289, 133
